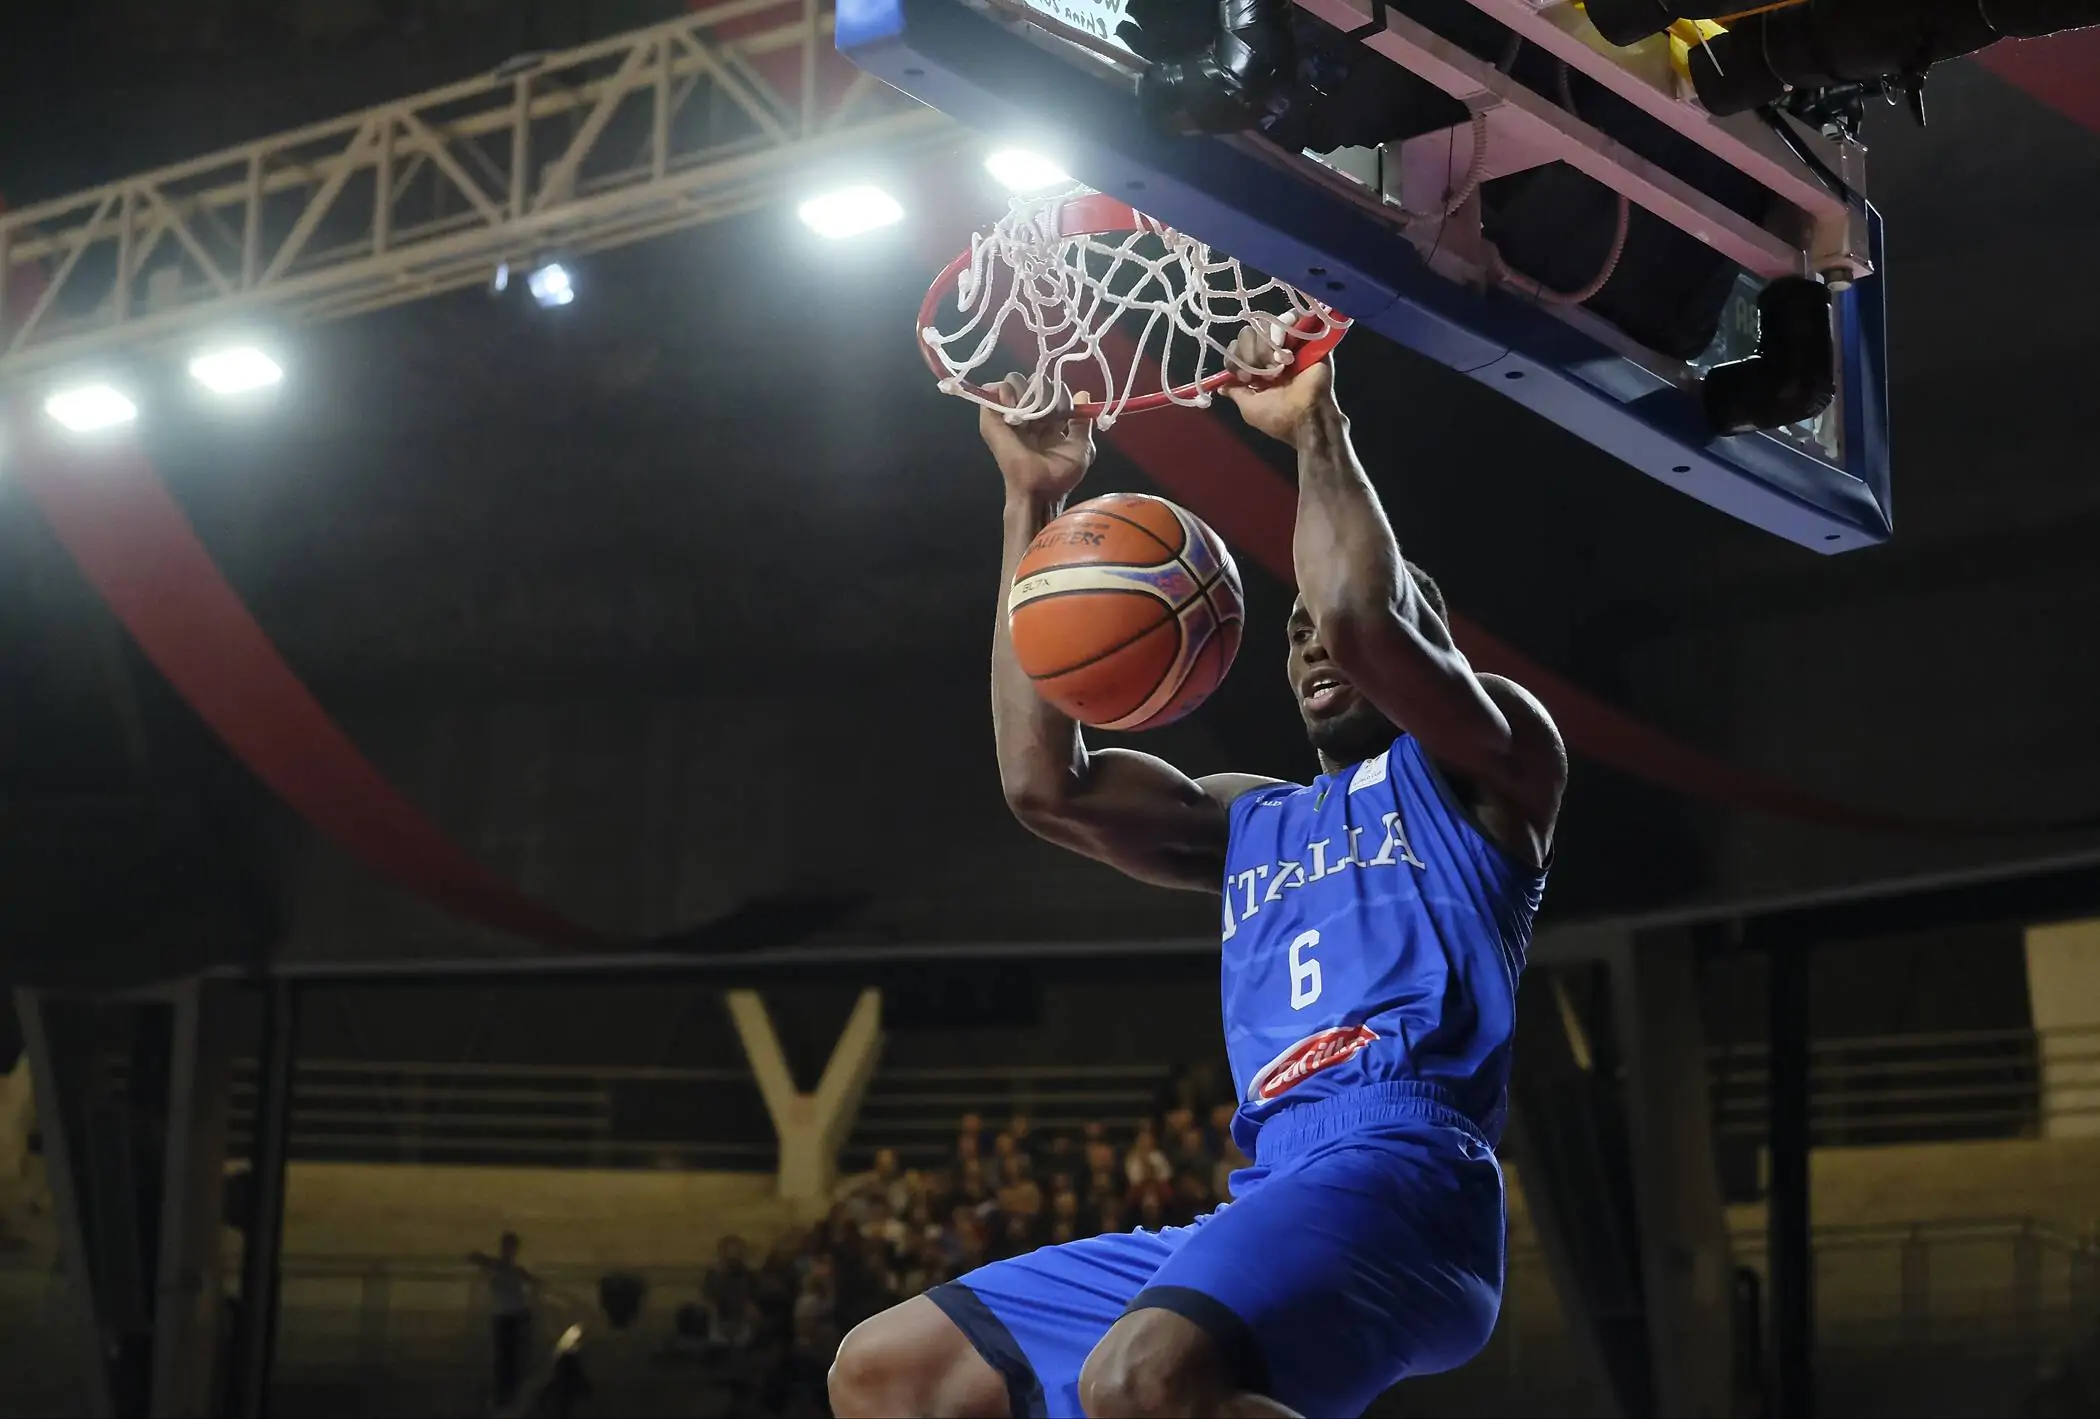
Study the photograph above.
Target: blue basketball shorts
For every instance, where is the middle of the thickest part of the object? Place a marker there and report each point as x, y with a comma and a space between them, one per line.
1364, 1247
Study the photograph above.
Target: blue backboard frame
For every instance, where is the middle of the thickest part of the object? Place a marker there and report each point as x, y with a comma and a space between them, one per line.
954, 58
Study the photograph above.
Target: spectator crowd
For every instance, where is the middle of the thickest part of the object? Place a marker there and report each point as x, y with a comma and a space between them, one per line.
894, 1231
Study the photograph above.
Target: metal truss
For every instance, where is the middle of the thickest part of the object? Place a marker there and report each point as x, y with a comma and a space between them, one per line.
613, 142
1821, 232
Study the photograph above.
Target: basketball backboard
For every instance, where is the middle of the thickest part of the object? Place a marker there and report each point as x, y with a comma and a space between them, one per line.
1393, 234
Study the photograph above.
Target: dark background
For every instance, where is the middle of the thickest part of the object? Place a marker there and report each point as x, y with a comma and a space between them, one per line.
681, 596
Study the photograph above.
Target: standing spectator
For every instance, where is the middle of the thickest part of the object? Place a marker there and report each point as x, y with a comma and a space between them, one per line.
939, 1195
1021, 1197
1016, 1237
881, 1181
975, 1250
864, 1284
1060, 1161
839, 1234
1064, 1208
963, 1228
927, 1266
1189, 1153
1174, 1091
973, 1191
727, 1289
1100, 1155
1095, 1150
511, 1289
1006, 1151
1173, 1124
908, 1189
817, 1331
1145, 1163
883, 1226
1022, 1129
969, 1139
1189, 1200
779, 1281
919, 1223
817, 1303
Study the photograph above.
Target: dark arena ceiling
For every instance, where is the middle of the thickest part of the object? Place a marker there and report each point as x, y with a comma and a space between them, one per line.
679, 596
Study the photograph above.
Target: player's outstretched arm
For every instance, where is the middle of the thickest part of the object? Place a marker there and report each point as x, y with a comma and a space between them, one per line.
1138, 814
1380, 630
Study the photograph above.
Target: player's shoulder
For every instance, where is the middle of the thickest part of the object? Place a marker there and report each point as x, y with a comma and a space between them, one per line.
1529, 720
1512, 698
1228, 789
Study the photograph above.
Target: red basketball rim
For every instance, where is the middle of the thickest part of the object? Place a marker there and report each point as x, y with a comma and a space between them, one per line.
1095, 214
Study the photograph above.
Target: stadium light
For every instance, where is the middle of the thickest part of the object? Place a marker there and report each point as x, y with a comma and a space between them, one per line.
551, 285
850, 211
90, 408
235, 369
548, 283
1019, 170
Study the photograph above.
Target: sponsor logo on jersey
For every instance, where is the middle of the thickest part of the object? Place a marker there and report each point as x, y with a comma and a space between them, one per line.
1306, 1058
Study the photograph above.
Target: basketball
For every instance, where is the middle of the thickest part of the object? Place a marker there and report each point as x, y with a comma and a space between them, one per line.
1126, 612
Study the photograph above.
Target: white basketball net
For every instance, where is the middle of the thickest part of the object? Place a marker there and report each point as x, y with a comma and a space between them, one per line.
1068, 292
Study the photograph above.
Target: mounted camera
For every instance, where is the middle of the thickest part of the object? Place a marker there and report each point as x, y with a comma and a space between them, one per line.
1825, 56
1268, 65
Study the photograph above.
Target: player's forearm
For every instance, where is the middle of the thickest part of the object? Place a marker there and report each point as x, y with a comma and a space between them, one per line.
1346, 557
1039, 748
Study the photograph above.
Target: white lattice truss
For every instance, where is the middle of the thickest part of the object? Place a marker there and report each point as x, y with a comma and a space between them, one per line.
609, 143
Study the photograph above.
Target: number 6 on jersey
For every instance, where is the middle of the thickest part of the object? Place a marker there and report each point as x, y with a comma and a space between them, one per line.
1305, 971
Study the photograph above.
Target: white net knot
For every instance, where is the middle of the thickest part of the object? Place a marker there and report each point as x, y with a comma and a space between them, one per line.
1069, 292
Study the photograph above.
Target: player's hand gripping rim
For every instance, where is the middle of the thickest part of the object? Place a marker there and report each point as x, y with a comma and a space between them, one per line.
1280, 391
1042, 458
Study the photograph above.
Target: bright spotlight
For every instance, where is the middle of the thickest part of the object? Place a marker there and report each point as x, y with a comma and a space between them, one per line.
850, 211
87, 408
550, 285
235, 369
1019, 170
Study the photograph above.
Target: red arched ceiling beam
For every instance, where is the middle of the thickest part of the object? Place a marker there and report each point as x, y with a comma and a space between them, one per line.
2062, 72
109, 508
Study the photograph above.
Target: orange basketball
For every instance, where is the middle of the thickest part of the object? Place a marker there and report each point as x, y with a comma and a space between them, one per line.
1126, 612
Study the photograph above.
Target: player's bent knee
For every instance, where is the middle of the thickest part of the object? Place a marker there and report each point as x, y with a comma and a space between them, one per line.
859, 1373
882, 1368
1153, 1364
912, 1360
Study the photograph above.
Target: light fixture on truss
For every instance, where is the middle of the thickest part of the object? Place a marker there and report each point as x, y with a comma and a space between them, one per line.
90, 407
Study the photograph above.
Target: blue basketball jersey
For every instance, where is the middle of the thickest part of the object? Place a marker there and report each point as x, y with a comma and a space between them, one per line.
1371, 936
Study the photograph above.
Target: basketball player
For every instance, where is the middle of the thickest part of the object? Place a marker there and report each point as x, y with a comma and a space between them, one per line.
1374, 925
